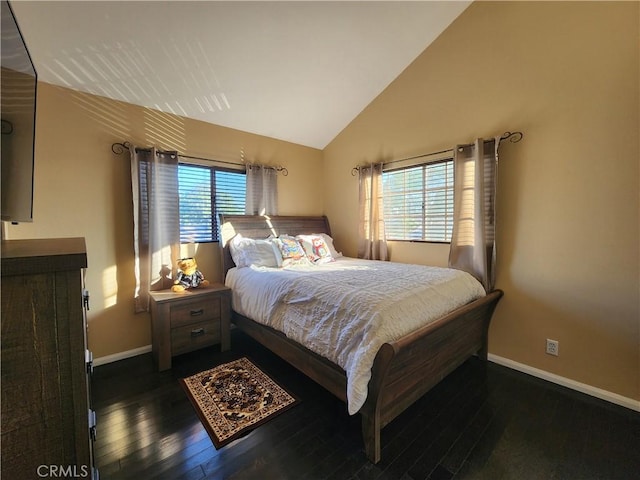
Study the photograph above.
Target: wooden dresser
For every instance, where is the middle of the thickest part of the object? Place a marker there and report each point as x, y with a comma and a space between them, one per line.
47, 421
189, 320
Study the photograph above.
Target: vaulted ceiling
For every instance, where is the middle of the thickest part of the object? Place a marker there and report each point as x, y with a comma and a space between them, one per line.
296, 71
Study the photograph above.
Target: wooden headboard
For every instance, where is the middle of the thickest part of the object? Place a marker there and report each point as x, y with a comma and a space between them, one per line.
261, 226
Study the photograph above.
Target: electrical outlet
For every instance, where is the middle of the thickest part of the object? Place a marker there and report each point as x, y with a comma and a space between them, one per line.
553, 347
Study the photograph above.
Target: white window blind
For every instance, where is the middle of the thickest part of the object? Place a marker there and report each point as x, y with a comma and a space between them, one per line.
204, 193
418, 202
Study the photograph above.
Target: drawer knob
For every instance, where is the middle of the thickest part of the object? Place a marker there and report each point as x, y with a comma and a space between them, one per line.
197, 332
195, 313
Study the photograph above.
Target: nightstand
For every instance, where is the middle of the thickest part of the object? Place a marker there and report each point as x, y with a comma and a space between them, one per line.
186, 321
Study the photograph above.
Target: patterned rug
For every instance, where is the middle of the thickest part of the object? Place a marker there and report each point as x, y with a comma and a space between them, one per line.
235, 397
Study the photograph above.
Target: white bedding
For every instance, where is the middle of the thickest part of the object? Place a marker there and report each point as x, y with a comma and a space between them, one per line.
345, 310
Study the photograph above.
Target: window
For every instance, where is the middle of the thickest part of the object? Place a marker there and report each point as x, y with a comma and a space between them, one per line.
418, 202
204, 193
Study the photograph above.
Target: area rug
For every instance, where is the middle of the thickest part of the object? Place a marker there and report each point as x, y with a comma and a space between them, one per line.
235, 397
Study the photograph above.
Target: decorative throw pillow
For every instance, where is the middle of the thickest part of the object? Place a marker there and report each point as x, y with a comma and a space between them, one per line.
291, 251
316, 248
332, 249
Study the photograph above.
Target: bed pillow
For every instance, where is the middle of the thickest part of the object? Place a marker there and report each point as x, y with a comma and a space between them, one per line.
332, 249
291, 251
248, 251
316, 248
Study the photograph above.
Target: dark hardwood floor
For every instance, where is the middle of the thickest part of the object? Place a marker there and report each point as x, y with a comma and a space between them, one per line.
484, 421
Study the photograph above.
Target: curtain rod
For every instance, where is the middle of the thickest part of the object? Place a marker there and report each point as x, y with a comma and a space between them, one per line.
514, 137
119, 148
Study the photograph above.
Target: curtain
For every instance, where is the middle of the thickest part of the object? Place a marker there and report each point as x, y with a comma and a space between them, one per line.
262, 190
156, 221
473, 246
372, 244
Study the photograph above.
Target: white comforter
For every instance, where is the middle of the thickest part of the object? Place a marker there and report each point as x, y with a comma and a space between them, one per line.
347, 309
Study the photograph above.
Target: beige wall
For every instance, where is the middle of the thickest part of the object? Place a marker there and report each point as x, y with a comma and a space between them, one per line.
83, 189
566, 74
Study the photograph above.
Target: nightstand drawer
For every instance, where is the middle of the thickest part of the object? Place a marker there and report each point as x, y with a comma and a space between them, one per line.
196, 311
191, 337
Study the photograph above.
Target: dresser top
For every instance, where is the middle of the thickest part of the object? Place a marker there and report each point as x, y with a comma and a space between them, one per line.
22, 257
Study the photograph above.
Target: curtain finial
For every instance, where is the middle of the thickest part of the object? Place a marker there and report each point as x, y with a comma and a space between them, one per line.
513, 137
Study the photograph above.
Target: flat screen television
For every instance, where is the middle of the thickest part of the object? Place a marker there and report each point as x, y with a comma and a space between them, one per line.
18, 89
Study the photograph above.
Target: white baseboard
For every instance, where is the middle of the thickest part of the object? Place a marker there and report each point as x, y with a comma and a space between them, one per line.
121, 355
567, 382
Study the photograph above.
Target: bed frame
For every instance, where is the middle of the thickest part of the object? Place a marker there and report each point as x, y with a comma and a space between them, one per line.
403, 370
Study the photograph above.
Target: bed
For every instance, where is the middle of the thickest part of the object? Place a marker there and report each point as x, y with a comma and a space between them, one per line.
402, 370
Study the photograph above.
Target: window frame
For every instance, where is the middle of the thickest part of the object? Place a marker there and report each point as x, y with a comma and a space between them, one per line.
214, 195
448, 189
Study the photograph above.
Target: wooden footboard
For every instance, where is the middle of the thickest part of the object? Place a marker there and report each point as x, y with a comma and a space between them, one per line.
406, 369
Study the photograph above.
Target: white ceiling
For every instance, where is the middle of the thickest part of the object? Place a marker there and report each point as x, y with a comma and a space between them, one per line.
296, 71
